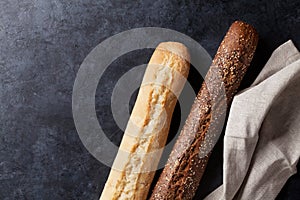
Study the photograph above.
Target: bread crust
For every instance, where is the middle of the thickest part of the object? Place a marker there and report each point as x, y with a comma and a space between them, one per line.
147, 130
185, 167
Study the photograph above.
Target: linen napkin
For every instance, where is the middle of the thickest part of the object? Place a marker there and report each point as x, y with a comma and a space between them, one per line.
262, 137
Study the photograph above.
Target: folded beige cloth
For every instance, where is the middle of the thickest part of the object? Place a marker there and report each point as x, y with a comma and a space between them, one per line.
262, 137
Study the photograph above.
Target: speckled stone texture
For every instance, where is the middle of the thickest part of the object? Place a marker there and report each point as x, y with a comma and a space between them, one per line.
43, 43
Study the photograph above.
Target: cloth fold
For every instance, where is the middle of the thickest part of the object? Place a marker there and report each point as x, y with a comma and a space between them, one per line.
262, 137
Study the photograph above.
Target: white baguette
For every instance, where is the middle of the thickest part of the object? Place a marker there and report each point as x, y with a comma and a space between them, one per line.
147, 130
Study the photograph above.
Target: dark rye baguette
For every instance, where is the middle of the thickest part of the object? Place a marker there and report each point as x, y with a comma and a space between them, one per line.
188, 159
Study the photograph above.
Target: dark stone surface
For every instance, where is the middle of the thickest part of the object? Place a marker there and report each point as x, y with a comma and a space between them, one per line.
43, 43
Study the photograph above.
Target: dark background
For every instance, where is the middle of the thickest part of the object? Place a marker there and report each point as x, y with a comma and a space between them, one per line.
43, 43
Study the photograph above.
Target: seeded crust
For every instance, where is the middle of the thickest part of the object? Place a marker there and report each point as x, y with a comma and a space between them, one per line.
147, 130
184, 169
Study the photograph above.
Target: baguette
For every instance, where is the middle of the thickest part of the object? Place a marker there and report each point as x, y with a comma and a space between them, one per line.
187, 162
147, 130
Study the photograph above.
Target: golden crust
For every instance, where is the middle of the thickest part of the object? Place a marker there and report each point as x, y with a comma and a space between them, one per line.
148, 126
